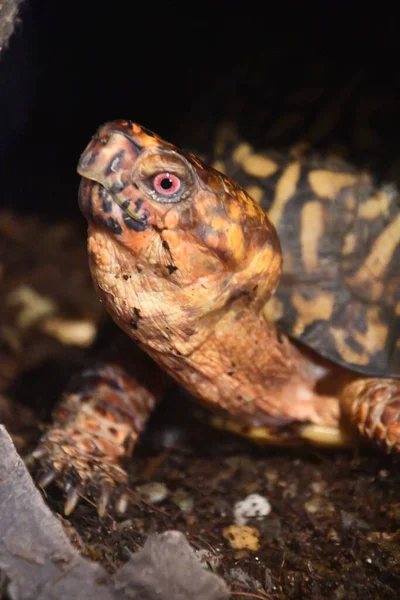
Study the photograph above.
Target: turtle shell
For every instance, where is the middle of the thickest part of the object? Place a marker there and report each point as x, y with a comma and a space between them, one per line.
340, 235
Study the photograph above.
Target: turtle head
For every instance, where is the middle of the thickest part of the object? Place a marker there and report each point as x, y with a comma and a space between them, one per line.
196, 235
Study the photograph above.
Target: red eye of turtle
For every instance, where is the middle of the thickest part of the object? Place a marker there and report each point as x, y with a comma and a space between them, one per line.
166, 184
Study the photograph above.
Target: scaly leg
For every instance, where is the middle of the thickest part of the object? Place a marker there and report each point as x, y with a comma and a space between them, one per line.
95, 426
373, 406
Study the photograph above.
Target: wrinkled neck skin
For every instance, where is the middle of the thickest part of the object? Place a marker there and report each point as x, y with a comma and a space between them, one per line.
217, 346
174, 314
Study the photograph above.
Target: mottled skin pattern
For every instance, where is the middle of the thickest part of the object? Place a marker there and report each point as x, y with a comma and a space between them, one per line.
187, 276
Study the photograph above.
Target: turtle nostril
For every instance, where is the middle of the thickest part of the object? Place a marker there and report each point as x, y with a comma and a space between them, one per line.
87, 160
117, 187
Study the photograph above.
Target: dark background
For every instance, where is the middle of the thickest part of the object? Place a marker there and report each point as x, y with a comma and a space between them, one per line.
177, 68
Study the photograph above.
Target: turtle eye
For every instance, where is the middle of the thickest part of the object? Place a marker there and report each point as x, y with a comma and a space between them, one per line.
166, 184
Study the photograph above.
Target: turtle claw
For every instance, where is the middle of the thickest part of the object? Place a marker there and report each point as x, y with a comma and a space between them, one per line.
38, 454
104, 499
79, 474
95, 427
47, 478
121, 504
73, 497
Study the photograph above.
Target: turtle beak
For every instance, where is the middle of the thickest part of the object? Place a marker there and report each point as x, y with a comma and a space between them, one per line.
107, 194
106, 157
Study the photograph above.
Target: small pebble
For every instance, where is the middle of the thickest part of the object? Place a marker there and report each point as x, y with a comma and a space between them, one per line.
316, 504
242, 537
254, 506
317, 487
183, 500
71, 332
153, 492
33, 307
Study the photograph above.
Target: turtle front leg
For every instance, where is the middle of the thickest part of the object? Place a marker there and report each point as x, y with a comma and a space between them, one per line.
373, 406
95, 427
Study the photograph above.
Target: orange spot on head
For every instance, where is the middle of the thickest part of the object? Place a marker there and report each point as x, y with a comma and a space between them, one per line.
171, 219
212, 239
236, 241
220, 223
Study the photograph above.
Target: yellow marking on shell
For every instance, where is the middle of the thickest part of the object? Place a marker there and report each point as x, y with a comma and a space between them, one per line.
241, 152
285, 189
218, 165
372, 270
327, 184
397, 310
348, 354
349, 244
311, 231
372, 340
255, 192
318, 308
259, 166
273, 310
375, 207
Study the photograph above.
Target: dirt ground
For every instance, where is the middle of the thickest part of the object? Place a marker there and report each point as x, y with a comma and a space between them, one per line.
333, 530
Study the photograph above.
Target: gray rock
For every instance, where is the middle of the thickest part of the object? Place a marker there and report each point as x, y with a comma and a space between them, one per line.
167, 569
35, 554
38, 562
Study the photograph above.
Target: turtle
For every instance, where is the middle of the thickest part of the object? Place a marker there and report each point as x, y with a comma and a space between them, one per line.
270, 293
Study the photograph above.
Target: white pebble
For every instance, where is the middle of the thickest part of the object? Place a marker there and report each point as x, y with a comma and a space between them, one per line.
153, 492
254, 506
